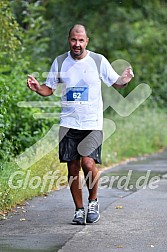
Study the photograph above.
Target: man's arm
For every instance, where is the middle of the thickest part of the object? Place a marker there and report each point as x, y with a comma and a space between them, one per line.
34, 85
124, 79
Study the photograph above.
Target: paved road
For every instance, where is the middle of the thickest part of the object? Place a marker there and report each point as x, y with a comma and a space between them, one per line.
131, 220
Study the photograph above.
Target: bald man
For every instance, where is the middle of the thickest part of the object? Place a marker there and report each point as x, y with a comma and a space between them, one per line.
80, 73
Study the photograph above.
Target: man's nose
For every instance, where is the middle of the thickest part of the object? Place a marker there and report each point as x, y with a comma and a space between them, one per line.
77, 43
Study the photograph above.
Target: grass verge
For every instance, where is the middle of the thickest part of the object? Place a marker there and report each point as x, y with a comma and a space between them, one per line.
143, 132
18, 185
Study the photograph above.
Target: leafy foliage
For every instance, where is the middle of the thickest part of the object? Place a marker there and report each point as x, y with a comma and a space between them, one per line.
131, 30
18, 128
34, 32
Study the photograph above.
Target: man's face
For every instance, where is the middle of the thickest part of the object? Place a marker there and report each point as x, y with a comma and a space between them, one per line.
78, 42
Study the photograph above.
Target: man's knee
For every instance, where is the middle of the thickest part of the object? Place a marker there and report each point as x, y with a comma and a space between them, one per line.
88, 164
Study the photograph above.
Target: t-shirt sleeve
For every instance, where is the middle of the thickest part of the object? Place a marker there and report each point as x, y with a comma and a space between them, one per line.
52, 80
107, 73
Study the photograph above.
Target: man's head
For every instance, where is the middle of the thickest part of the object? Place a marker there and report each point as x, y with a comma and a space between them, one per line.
78, 41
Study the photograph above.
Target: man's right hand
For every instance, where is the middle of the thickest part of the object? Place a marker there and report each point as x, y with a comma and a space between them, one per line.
33, 84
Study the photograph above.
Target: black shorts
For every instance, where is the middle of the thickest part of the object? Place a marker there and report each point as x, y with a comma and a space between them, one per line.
74, 144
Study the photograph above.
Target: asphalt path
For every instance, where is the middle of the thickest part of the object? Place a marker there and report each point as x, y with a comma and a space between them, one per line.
131, 220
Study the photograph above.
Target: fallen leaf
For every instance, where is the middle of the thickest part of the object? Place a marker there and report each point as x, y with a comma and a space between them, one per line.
23, 219
119, 246
119, 207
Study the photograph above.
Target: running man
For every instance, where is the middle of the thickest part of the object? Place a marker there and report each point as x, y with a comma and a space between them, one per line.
80, 73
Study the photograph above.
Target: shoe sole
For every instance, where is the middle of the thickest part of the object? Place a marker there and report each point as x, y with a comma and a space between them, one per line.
78, 223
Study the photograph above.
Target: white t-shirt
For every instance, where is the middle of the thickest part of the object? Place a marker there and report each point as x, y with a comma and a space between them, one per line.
82, 106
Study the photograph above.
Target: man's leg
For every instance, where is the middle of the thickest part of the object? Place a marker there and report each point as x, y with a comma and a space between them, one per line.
76, 191
74, 182
91, 174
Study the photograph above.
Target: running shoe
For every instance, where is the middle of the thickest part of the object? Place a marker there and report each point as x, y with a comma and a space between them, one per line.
79, 217
93, 214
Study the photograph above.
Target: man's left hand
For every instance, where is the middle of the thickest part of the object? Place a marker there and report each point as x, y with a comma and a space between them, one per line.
127, 75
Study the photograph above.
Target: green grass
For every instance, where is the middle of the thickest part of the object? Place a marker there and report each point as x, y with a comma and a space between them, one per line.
18, 185
143, 132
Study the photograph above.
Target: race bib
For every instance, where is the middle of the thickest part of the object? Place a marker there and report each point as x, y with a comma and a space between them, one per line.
77, 94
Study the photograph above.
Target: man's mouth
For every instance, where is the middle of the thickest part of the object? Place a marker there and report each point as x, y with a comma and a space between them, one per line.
77, 49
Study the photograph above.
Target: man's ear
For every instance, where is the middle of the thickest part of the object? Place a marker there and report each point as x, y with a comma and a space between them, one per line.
87, 41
